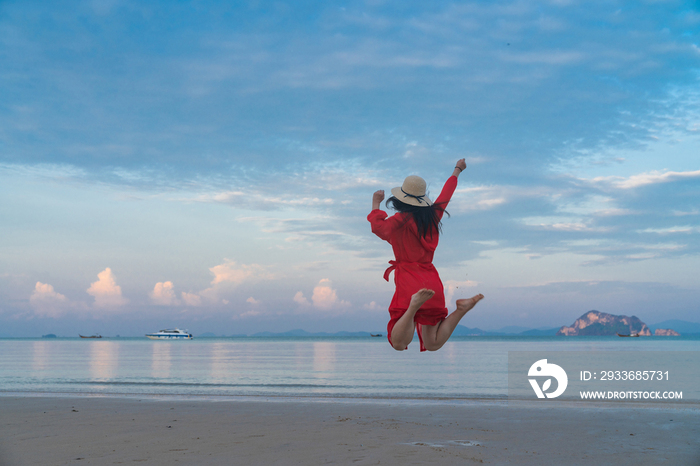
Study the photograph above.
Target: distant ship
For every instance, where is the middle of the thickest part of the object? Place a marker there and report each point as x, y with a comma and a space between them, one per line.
170, 334
375, 334
633, 335
91, 336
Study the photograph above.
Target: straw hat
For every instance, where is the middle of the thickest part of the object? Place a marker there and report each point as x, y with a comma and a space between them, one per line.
412, 192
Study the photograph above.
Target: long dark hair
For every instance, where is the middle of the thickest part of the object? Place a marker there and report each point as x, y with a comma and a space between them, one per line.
426, 218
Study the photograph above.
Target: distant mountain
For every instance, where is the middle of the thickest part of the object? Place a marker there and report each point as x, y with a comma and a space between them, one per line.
462, 331
600, 323
590, 323
681, 326
303, 333
512, 330
290, 333
540, 332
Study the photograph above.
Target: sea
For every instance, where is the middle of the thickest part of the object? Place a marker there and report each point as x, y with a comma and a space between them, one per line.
466, 368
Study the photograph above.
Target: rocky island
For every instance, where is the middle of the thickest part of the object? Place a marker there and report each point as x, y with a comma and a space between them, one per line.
666, 332
602, 324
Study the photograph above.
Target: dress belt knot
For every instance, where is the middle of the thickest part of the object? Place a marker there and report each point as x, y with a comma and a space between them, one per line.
388, 271
395, 264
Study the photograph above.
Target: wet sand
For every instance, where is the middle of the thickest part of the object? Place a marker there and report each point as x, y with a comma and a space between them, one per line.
106, 431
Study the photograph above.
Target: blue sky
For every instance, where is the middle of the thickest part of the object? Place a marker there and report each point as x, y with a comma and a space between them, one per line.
210, 165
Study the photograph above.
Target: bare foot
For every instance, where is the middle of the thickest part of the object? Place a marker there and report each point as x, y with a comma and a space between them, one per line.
420, 297
465, 305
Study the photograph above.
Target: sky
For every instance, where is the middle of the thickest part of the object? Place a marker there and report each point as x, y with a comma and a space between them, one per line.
210, 165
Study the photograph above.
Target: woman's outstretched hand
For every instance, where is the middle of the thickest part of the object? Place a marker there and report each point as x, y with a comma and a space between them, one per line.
460, 166
377, 199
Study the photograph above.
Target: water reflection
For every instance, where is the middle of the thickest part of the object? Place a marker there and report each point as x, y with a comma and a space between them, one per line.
470, 368
162, 360
104, 358
220, 363
40, 355
302, 356
324, 356
450, 352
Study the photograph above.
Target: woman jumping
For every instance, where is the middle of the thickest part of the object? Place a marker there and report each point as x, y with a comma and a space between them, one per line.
419, 300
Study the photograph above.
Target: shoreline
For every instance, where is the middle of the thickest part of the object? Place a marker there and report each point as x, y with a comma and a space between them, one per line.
57, 430
496, 401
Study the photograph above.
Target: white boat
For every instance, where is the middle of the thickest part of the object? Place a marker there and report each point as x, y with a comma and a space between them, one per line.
170, 334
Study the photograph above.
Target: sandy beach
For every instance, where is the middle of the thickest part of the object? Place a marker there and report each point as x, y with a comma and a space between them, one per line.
101, 431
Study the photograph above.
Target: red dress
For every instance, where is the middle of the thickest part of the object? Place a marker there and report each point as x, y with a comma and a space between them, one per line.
413, 267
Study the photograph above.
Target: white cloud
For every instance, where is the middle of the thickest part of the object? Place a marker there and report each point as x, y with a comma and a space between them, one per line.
324, 297
262, 201
561, 224
106, 292
482, 197
300, 299
643, 179
489, 197
669, 230
163, 294
231, 274
680, 213
228, 272
414, 150
452, 287
46, 301
191, 299
596, 205
547, 58
226, 275
373, 306
247, 314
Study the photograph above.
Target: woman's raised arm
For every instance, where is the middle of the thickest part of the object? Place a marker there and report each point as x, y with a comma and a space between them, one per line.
460, 166
377, 199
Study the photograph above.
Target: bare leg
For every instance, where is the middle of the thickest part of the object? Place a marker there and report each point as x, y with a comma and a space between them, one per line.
402, 333
434, 336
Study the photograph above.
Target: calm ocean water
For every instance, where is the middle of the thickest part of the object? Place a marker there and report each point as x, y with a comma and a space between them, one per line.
466, 368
